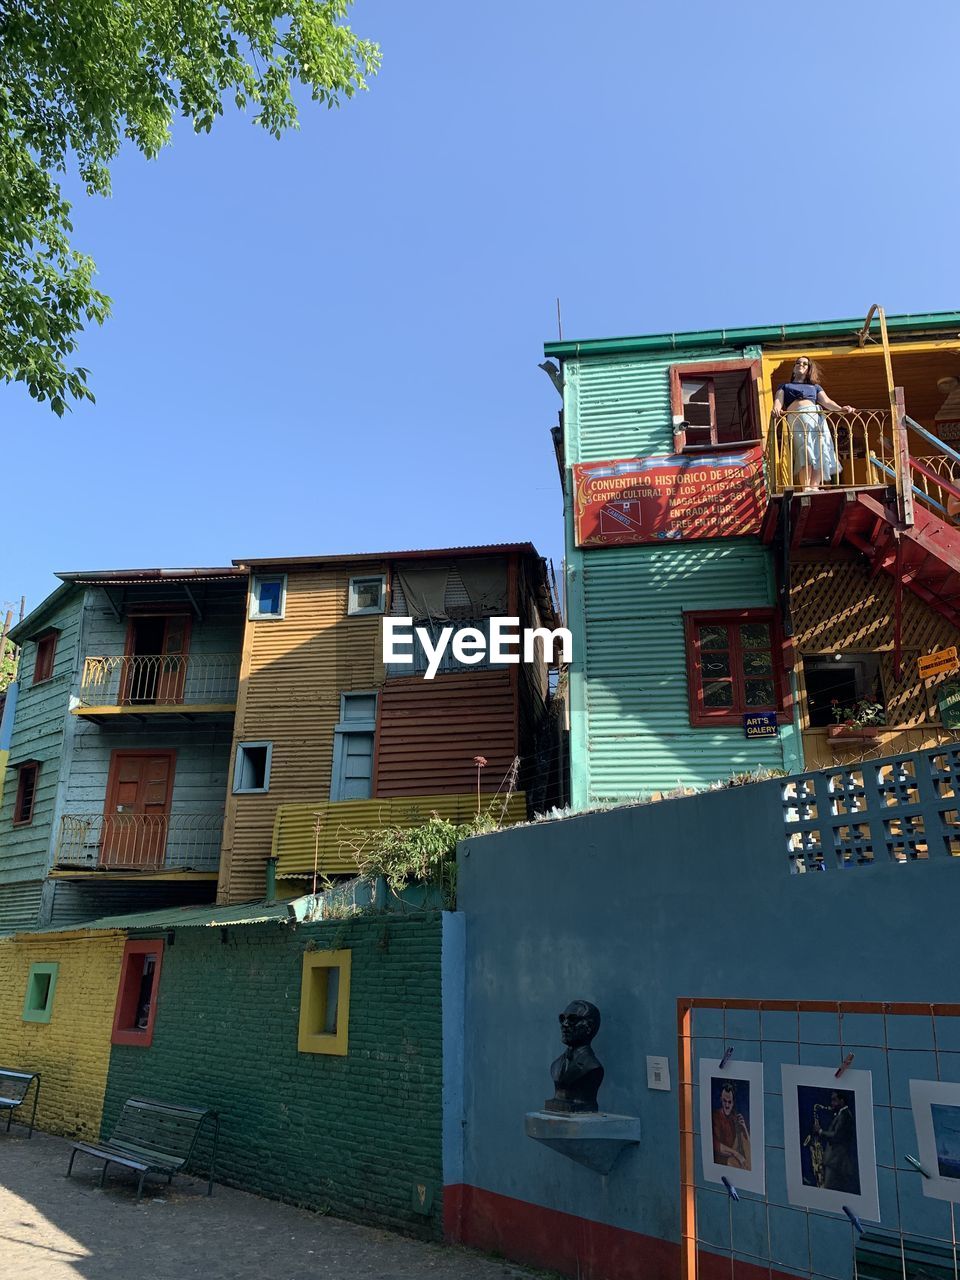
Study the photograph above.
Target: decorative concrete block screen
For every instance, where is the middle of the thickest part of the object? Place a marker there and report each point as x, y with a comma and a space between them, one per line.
900, 809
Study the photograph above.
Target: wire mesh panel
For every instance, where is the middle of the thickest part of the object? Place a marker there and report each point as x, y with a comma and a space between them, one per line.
729, 1233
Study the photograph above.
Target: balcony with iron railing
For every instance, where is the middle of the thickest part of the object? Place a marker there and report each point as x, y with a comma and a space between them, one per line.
182, 684
815, 448
139, 842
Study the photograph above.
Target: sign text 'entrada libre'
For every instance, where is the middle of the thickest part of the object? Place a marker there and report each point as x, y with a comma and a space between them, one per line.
506, 643
676, 497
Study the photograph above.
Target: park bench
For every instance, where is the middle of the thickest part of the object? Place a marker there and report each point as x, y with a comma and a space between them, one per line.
880, 1257
153, 1137
14, 1086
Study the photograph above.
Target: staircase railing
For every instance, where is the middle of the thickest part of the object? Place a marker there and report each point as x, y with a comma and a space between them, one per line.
936, 476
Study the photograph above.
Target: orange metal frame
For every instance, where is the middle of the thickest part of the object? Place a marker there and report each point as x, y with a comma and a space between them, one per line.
685, 1008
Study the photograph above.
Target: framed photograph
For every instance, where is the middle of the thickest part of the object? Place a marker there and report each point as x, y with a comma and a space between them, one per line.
828, 1140
731, 1123
936, 1117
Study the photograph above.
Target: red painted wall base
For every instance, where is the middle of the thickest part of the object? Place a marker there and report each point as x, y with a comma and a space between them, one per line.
573, 1246
557, 1241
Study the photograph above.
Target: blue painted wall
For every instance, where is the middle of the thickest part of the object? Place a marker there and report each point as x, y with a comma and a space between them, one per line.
637, 906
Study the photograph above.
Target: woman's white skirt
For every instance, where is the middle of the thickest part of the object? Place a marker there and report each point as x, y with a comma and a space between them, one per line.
813, 446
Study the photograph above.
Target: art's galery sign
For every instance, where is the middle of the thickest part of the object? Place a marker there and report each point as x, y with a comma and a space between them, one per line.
670, 498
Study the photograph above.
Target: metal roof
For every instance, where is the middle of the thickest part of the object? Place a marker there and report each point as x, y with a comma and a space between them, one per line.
149, 575
758, 334
209, 917
493, 548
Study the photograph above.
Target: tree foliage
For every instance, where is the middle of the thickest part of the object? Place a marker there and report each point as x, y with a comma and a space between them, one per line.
77, 78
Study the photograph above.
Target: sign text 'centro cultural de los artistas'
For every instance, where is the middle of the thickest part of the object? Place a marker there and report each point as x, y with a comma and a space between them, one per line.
673, 498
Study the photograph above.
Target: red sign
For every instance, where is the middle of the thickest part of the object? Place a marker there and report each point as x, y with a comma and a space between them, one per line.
674, 498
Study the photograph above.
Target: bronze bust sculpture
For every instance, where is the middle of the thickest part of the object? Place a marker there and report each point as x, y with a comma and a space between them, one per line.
577, 1074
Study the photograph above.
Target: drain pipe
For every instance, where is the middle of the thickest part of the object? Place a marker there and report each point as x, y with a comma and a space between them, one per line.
271, 894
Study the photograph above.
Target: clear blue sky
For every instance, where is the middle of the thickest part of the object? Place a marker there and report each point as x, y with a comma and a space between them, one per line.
330, 343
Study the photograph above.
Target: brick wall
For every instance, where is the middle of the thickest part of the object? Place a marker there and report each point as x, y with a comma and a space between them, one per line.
353, 1135
72, 1050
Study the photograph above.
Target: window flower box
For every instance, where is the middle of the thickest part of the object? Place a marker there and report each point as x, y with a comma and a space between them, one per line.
854, 732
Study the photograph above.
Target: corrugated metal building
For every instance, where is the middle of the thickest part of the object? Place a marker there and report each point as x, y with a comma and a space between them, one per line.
330, 742
684, 627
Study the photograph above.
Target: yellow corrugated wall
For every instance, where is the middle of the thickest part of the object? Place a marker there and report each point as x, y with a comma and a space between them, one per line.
291, 676
295, 840
72, 1050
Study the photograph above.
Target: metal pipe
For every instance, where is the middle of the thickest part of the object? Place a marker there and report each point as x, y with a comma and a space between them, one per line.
271, 894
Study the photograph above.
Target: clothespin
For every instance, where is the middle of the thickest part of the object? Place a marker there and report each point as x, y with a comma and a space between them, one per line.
731, 1189
854, 1219
843, 1066
726, 1057
916, 1164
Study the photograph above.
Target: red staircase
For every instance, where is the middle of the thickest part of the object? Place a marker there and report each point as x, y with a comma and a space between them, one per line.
911, 540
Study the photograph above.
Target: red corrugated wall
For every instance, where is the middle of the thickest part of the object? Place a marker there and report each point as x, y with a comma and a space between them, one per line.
430, 730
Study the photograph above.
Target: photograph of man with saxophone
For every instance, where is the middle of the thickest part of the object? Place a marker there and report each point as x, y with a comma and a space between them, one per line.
828, 1121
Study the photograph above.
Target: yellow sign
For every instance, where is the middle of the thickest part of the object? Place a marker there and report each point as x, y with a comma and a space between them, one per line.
937, 664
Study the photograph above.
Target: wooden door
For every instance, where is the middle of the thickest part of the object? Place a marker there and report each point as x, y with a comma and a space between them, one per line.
172, 676
137, 809
156, 651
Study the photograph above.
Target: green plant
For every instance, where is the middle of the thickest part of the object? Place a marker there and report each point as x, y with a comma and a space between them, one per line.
859, 714
424, 854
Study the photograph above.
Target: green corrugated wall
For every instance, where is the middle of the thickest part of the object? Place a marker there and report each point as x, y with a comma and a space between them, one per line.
630, 727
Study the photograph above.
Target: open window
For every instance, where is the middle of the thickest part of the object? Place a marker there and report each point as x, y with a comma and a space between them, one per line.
28, 774
715, 406
136, 1008
839, 685
735, 666
46, 653
251, 773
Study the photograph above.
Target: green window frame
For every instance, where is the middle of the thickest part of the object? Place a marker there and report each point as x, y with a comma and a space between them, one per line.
38, 1000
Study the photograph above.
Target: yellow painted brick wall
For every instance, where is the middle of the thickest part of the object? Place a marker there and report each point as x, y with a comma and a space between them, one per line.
72, 1050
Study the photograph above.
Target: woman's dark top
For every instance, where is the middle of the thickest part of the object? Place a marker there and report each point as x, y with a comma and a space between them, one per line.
799, 391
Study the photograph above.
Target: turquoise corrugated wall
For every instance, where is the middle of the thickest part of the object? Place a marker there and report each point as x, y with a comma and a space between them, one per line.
630, 727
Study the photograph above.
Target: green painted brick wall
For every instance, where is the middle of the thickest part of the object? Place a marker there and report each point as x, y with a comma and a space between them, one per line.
349, 1135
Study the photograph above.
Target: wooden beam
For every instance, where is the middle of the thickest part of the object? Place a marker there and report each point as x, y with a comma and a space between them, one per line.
796, 533
849, 506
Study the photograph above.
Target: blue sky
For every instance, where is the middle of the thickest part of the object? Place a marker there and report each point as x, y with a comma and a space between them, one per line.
330, 343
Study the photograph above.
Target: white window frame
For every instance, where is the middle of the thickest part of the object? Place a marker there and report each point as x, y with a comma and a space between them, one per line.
253, 612
353, 609
252, 791
346, 727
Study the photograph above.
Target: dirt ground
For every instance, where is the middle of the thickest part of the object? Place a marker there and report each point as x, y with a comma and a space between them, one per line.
52, 1228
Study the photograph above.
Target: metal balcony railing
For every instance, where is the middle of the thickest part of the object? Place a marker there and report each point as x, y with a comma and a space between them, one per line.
133, 680
849, 451
140, 841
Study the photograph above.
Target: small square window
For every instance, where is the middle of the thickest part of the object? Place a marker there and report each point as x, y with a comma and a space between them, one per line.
324, 1002
137, 996
46, 653
367, 595
23, 807
268, 596
41, 983
251, 773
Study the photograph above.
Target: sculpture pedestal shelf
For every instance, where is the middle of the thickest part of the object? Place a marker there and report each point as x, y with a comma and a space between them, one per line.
594, 1138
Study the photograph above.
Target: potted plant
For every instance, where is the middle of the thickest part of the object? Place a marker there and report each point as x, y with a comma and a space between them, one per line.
863, 719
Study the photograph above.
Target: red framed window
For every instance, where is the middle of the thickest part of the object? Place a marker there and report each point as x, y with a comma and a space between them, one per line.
23, 807
136, 1008
735, 665
46, 652
715, 405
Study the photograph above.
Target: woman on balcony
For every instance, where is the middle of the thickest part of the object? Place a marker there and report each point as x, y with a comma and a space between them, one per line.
813, 446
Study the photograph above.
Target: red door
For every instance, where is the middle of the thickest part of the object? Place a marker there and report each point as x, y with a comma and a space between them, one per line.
155, 670
137, 809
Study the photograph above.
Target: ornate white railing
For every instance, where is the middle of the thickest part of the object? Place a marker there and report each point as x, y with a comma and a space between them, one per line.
140, 841
132, 680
